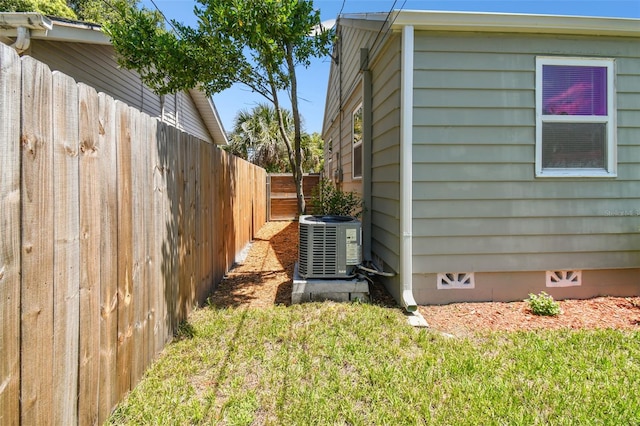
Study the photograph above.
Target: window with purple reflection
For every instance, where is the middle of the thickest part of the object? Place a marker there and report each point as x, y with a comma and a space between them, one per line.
575, 117
574, 90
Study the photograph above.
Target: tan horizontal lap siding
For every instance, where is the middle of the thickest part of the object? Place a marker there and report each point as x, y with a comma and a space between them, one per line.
96, 66
477, 206
189, 119
385, 155
344, 94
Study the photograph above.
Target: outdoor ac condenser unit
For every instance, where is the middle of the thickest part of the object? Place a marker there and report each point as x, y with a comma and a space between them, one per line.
330, 246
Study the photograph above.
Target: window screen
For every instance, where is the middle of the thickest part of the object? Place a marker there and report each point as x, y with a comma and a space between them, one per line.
357, 161
574, 145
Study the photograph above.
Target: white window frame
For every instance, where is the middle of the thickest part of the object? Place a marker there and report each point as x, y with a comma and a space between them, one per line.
609, 119
355, 145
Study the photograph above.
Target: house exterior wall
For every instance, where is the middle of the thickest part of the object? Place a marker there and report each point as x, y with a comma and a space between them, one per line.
95, 65
385, 155
344, 94
385, 127
477, 204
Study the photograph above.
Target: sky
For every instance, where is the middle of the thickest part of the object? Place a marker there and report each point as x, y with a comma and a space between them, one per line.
313, 80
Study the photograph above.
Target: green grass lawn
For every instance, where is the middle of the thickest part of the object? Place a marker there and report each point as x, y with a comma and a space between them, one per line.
360, 364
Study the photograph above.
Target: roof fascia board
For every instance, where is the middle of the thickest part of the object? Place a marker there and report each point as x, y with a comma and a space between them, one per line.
364, 23
31, 20
62, 32
515, 23
43, 27
210, 116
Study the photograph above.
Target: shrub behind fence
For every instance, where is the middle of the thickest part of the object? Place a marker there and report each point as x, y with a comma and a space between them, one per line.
113, 226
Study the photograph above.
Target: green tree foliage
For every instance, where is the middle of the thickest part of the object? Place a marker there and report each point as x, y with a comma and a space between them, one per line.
258, 43
312, 153
97, 11
327, 199
256, 137
100, 11
57, 8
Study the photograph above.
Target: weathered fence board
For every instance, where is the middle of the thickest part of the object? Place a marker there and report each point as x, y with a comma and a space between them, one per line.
181, 183
148, 145
114, 227
170, 251
161, 207
66, 250
90, 242
125, 250
10, 226
190, 195
152, 238
37, 242
139, 301
108, 256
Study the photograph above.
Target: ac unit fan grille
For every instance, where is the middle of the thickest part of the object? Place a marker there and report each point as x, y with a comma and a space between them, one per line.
325, 247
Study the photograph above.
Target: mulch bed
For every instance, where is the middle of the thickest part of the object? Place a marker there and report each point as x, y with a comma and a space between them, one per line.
264, 278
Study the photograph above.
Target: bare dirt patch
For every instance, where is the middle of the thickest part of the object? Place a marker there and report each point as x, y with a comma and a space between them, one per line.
265, 279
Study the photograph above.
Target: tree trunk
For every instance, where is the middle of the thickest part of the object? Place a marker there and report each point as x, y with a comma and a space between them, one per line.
297, 135
296, 166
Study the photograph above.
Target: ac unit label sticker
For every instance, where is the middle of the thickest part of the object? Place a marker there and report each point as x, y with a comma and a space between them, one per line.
353, 248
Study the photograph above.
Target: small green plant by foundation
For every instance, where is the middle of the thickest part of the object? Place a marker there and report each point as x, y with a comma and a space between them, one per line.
543, 304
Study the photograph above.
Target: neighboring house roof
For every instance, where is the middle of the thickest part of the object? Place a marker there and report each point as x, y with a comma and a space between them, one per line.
496, 22
65, 30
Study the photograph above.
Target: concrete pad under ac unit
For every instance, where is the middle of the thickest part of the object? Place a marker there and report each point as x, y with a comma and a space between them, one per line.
339, 290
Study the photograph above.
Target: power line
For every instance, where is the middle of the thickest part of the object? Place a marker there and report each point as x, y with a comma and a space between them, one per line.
112, 7
164, 17
342, 8
383, 24
373, 46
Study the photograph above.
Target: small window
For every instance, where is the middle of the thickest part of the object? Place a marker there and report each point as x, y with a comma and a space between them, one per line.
357, 142
575, 117
329, 156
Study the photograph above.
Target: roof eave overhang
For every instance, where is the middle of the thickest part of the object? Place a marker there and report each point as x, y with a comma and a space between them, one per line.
210, 116
43, 27
70, 33
515, 23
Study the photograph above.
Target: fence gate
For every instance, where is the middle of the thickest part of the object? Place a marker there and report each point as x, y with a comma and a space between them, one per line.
282, 203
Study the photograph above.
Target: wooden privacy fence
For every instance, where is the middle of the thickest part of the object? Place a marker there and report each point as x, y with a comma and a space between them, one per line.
282, 200
113, 226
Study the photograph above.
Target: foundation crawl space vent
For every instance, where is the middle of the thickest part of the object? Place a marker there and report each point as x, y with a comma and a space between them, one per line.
456, 280
564, 278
